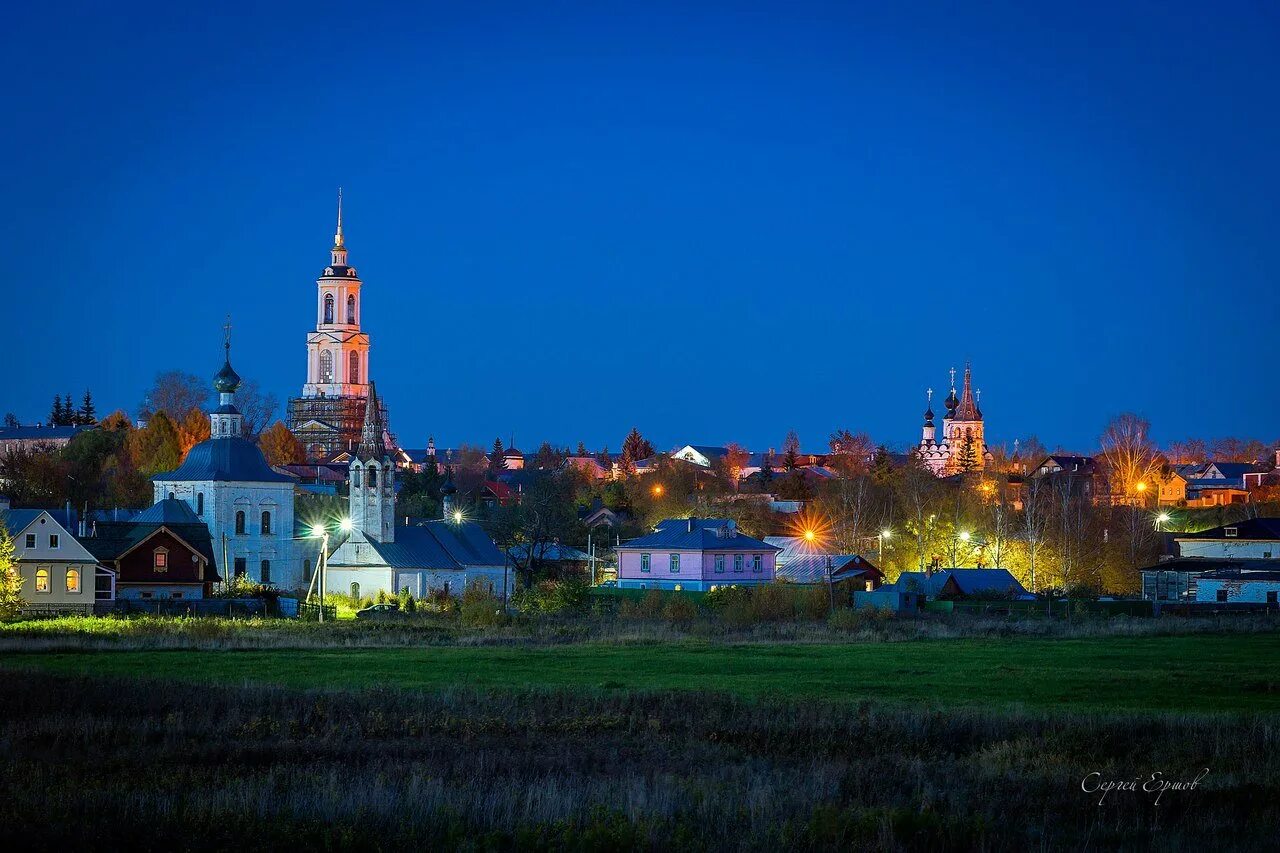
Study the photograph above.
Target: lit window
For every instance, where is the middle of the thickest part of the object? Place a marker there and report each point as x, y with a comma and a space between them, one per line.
42, 580
675, 563
160, 559
53, 540
73, 580
644, 562
737, 562
720, 563
326, 366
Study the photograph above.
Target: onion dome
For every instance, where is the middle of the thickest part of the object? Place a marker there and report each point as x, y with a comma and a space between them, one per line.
952, 401
448, 488
226, 380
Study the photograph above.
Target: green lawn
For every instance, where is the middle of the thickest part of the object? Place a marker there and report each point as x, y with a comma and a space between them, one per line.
1195, 673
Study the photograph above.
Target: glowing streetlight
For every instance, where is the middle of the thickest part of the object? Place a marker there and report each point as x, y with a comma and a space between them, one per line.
809, 535
345, 524
965, 535
1141, 487
457, 516
657, 490
886, 533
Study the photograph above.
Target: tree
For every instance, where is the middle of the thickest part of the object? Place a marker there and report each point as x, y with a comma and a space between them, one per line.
549, 458
11, 602
766, 471
280, 446
736, 458
1129, 455
117, 420
497, 459
257, 408
634, 448
175, 393
55, 413
156, 447
11, 421
88, 414
192, 429
582, 451
791, 451
851, 453
969, 461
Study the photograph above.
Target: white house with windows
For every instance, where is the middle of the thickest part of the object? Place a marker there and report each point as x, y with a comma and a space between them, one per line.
245, 503
1253, 538
1239, 587
57, 572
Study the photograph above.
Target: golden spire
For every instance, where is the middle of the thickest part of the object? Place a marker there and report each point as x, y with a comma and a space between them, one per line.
337, 238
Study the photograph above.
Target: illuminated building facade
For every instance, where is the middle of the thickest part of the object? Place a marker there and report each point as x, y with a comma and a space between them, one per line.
329, 415
962, 446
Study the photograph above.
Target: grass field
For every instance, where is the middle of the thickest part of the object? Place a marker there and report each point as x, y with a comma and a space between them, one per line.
1239, 673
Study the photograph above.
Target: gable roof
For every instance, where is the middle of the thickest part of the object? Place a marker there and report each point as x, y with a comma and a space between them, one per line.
17, 520
699, 534
168, 511
113, 539
43, 433
438, 545
967, 581
812, 568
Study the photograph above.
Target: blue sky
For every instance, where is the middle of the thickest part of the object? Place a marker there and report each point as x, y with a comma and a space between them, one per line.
716, 223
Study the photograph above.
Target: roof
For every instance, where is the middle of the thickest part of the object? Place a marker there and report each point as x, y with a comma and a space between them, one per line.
111, 539
699, 534
16, 520
812, 568
43, 433
439, 545
223, 459
1202, 565
1243, 577
968, 581
1070, 464
1250, 528
167, 511
552, 552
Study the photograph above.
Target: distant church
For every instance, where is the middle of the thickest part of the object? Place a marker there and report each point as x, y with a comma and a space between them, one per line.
962, 446
329, 415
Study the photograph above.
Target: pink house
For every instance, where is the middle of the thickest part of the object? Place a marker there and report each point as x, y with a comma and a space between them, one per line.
695, 554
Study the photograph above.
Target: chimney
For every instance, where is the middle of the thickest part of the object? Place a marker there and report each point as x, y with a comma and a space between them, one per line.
691, 524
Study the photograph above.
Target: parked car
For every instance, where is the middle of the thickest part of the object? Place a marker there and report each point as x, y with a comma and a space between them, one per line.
379, 611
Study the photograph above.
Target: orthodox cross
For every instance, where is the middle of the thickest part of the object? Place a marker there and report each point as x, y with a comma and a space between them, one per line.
929, 394
953, 379
226, 336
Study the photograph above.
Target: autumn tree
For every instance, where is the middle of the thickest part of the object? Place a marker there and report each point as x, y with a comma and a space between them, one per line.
735, 460
192, 429
280, 446
156, 447
851, 453
11, 602
1129, 455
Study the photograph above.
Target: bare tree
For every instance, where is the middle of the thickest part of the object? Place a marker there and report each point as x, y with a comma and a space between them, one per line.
258, 408
1035, 518
175, 393
1130, 457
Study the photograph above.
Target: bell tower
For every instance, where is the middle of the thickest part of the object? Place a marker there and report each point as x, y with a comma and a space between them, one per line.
372, 474
337, 350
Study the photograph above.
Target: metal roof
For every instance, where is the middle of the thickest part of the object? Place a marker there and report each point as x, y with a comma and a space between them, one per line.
699, 534
224, 459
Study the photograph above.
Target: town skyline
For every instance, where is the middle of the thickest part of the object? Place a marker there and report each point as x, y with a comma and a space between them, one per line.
824, 241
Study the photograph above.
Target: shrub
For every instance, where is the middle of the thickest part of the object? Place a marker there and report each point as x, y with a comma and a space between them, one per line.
679, 610
851, 619
481, 608
552, 597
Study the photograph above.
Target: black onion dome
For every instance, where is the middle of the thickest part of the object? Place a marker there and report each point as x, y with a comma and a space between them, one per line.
448, 488
226, 380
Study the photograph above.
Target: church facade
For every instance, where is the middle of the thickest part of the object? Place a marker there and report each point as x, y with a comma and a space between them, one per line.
327, 418
962, 447
246, 504
430, 556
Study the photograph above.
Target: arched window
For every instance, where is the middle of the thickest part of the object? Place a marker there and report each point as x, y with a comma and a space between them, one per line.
351, 309
373, 476
328, 307
42, 580
355, 477
266, 522
353, 367
326, 366
306, 570
73, 580
239, 522
171, 496
199, 503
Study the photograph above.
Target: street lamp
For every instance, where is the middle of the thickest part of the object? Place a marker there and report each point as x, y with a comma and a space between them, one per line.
657, 490
1161, 520
457, 516
321, 532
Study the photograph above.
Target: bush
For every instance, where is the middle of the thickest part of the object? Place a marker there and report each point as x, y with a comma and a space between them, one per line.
679, 610
552, 597
649, 606
851, 619
480, 608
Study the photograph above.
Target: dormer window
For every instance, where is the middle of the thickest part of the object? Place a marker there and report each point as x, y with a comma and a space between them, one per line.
160, 560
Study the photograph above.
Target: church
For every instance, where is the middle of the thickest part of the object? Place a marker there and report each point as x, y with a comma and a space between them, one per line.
246, 504
327, 418
430, 556
962, 447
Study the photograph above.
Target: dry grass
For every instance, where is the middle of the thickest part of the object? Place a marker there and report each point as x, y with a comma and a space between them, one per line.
104, 764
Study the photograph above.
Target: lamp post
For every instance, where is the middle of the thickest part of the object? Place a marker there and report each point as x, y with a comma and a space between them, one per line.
321, 532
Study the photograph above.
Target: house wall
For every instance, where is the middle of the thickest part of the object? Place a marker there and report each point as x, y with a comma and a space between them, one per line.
146, 591
221, 502
69, 555
1229, 548
1253, 592
697, 569
419, 581
138, 566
